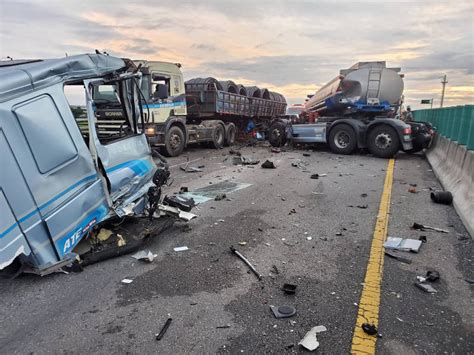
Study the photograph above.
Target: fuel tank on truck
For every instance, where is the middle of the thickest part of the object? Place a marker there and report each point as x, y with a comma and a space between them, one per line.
364, 87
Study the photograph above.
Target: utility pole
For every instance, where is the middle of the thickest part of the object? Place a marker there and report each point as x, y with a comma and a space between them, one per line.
444, 81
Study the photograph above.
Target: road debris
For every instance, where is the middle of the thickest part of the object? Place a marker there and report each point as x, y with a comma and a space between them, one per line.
183, 203
403, 244
292, 211
183, 189
220, 197
104, 234
306, 154
300, 164
283, 311
422, 227
425, 287
183, 248
276, 150
241, 160
370, 329
236, 252
432, 275
144, 256
289, 289
397, 257
268, 165
310, 340
223, 326
160, 335
242, 243
422, 238
442, 197
412, 189
235, 152
126, 281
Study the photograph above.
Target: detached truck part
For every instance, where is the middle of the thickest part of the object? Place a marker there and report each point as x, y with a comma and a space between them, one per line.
201, 110
353, 112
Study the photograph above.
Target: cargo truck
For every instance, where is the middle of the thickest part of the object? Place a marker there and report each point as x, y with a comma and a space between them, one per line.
355, 110
200, 110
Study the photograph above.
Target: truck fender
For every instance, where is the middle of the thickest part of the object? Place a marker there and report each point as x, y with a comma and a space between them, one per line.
360, 129
177, 121
397, 125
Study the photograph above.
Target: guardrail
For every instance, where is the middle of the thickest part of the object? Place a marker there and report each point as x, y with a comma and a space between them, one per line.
455, 123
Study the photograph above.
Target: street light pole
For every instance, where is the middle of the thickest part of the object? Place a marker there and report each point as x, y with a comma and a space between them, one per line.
444, 81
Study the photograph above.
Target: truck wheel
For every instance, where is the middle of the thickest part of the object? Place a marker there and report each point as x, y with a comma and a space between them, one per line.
277, 134
342, 139
218, 136
174, 142
230, 136
383, 141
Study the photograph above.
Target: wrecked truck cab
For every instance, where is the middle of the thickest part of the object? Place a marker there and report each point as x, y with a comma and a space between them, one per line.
61, 172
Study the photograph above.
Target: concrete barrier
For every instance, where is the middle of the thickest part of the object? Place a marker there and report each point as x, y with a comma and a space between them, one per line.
453, 165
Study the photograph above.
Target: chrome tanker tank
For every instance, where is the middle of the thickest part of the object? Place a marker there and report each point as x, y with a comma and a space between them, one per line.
364, 87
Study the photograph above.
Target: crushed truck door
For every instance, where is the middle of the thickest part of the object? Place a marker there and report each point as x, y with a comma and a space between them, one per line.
125, 158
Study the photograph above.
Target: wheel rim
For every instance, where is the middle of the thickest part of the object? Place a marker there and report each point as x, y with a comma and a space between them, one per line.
342, 139
175, 141
383, 140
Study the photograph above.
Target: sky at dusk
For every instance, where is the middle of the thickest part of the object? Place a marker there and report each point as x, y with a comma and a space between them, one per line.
292, 47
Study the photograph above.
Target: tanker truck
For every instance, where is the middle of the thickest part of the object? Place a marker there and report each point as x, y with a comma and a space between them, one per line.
354, 110
200, 110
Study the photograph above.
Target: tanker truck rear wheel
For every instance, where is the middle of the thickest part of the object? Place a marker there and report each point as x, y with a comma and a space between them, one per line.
174, 142
383, 141
342, 139
230, 135
277, 134
218, 136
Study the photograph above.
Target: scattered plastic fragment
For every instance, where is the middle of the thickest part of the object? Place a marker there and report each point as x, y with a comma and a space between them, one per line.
289, 288
144, 255
236, 252
268, 165
120, 240
164, 329
443, 197
283, 311
403, 244
184, 248
370, 329
127, 281
425, 287
242, 243
104, 234
310, 340
432, 275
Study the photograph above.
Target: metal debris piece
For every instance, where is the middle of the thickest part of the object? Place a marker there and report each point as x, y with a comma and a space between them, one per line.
310, 340
403, 244
184, 248
425, 287
164, 329
283, 311
236, 252
424, 227
126, 281
144, 256
397, 257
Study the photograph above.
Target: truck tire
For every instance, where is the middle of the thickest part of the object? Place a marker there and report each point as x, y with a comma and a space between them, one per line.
218, 136
277, 134
383, 141
230, 135
342, 139
174, 142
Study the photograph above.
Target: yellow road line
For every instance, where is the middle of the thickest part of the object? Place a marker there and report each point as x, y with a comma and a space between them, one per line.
363, 343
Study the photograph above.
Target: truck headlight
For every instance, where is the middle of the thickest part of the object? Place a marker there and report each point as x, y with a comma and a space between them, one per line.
150, 131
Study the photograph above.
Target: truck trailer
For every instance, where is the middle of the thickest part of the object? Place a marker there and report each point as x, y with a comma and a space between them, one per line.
355, 110
200, 110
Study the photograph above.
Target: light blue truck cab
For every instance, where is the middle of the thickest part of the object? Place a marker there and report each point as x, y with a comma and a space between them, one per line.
60, 174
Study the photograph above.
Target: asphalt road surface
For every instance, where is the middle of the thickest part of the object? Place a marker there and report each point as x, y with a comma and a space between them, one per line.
293, 229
